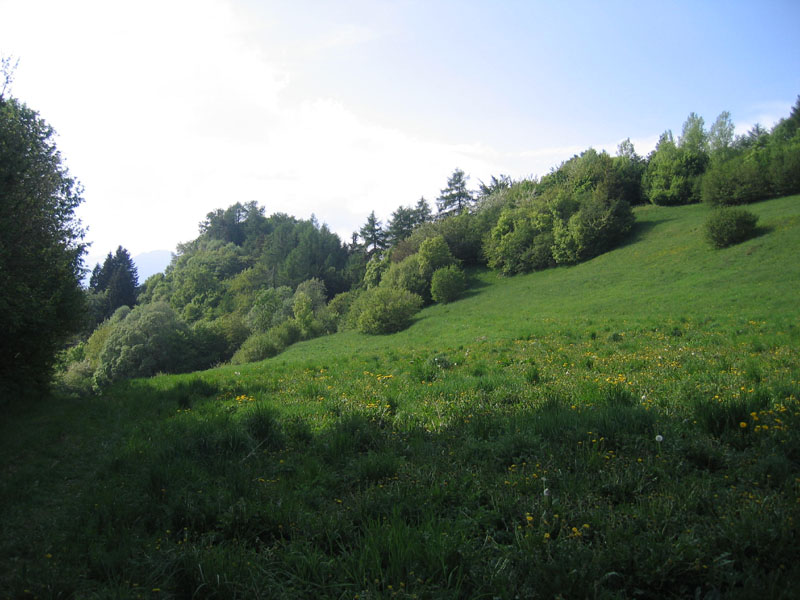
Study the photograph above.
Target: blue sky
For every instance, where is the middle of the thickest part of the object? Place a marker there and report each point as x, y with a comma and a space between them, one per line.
168, 109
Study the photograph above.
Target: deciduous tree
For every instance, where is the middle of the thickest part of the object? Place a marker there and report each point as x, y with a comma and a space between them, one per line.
41, 248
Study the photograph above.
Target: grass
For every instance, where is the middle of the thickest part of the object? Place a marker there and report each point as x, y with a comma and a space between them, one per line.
628, 427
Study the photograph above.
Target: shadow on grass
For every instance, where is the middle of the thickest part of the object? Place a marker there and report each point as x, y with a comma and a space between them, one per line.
474, 284
640, 230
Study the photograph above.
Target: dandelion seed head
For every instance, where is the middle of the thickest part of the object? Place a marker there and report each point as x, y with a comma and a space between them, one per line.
659, 438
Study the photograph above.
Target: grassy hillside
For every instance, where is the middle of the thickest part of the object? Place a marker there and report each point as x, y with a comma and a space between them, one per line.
627, 427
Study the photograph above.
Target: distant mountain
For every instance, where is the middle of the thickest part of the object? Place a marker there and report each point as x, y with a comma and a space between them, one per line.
150, 263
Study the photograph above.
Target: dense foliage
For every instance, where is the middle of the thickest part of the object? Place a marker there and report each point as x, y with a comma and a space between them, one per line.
112, 285
251, 285
41, 303
447, 284
728, 226
576, 212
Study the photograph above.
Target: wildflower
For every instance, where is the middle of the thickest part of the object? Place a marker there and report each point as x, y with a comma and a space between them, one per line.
546, 491
659, 438
547, 536
743, 425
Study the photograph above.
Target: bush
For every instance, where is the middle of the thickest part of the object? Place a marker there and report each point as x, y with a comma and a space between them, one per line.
257, 347
150, 339
407, 275
729, 226
740, 180
385, 310
434, 253
447, 284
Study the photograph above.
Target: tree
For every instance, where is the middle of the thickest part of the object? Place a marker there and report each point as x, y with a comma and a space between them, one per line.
401, 225
118, 277
422, 211
693, 137
673, 172
721, 136
455, 198
495, 185
41, 251
373, 235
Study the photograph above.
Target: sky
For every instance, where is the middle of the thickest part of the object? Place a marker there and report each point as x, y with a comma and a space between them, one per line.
169, 109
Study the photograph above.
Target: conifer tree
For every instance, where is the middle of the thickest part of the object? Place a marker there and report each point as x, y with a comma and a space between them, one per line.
455, 198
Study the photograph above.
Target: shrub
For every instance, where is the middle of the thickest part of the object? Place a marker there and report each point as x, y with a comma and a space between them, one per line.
407, 275
740, 180
729, 226
151, 339
257, 347
434, 253
385, 310
447, 284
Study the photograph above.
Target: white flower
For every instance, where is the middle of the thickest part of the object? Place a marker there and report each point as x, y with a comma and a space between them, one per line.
659, 438
546, 491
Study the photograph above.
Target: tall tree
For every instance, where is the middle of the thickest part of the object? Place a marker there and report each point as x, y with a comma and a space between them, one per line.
503, 182
721, 136
118, 278
41, 302
401, 225
422, 211
694, 137
455, 198
373, 235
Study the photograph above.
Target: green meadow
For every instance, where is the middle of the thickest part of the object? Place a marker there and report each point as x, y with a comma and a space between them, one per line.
625, 428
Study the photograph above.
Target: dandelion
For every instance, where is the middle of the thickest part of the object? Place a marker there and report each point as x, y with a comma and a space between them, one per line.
659, 438
546, 491
743, 425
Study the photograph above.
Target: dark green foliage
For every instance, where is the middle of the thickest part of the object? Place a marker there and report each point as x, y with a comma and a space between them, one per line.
729, 226
374, 237
41, 303
455, 198
434, 253
115, 282
495, 185
674, 171
256, 347
629, 169
447, 284
739, 180
385, 309
234, 224
272, 307
408, 275
149, 340
568, 217
599, 224
339, 306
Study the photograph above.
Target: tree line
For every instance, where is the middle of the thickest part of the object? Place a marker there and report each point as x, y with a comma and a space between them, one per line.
250, 284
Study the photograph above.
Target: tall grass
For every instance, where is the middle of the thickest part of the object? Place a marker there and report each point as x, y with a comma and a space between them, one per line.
624, 428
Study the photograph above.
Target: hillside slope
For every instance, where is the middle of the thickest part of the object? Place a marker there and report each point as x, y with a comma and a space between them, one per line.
665, 273
628, 427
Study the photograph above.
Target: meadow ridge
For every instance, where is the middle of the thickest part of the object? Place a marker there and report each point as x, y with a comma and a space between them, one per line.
628, 427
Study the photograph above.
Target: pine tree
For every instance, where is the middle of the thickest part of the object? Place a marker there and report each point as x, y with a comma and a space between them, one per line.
373, 235
118, 277
455, 198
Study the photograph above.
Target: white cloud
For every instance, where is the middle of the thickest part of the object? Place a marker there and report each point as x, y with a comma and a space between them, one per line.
168, 110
